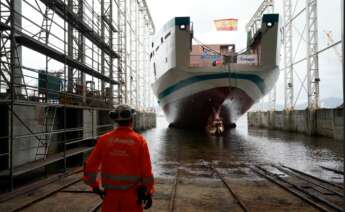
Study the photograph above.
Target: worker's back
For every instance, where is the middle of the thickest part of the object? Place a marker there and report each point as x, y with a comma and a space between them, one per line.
125, 164
123, 161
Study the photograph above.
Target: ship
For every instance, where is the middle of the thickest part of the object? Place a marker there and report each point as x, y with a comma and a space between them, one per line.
197, 85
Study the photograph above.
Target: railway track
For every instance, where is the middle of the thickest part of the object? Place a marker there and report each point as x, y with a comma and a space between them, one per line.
30, 199
315, 192
228, 187
173, 191
319, 193
173, 194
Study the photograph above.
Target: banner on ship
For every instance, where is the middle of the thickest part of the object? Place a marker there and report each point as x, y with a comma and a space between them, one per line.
250, 59
229, 24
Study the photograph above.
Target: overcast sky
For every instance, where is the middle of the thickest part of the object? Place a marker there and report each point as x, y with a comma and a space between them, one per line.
203, 12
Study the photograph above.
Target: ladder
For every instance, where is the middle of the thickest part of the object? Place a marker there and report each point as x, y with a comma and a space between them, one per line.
46, 26
43, 144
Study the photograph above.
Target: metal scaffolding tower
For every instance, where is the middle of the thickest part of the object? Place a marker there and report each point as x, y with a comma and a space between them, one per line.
288, 57
299, 83
312, 54
94, 55
122, 61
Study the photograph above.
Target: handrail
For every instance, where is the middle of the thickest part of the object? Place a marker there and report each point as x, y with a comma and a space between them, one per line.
258, 14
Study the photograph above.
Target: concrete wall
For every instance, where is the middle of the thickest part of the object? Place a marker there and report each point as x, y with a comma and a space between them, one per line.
31, 119
90, 118
324, 122
144, 120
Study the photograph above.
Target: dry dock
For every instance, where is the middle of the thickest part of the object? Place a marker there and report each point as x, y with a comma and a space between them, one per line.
321, 122
201, 186
245, 170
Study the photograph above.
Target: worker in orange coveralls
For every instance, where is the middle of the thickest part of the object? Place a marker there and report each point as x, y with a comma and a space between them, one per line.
122, 158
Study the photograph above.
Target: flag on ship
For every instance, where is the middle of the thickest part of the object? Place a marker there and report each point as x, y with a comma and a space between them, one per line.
229, 24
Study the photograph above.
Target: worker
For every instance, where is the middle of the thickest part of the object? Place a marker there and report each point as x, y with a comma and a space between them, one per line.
122, 158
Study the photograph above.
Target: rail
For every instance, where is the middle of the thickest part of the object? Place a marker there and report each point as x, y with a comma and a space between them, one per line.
173, 191
228, 187
311, 192
255, 22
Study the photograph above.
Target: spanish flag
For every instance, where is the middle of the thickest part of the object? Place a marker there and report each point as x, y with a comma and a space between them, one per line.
229, 24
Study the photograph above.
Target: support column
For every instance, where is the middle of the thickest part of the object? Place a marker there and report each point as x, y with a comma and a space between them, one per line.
288, 60
122, 47
81, 50
130, 55
18, 75
70, 51
312, 54
102, 52
137, 68
111, 68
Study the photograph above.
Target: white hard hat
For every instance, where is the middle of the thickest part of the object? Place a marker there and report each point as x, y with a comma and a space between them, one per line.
122, 113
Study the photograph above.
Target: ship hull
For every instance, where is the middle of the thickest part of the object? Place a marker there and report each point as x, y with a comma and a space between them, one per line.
189, 97
194, 111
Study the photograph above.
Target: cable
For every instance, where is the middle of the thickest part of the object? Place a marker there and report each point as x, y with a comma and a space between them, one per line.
241, 52
206, 47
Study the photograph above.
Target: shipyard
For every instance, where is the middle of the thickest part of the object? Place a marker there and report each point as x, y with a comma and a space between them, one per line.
148, 105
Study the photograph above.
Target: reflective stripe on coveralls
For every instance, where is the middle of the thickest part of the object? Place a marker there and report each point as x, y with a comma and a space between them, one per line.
90, 179
136, 179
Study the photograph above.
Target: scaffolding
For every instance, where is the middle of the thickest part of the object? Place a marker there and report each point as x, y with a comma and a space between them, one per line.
313, 78
288, 57
300, 47
64, 64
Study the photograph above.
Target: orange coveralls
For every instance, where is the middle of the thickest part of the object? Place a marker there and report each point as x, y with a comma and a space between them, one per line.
125, 164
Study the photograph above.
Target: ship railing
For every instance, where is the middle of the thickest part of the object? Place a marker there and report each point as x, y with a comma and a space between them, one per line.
254, 25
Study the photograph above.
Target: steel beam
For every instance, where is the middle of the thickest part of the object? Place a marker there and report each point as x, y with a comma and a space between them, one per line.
288, 57
102, 50
122, 61
81, 50
68, 15
255, 21
46, 50
313, 78
70, 50
112, 30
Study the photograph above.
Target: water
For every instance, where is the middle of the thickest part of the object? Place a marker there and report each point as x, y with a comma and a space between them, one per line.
170, 146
